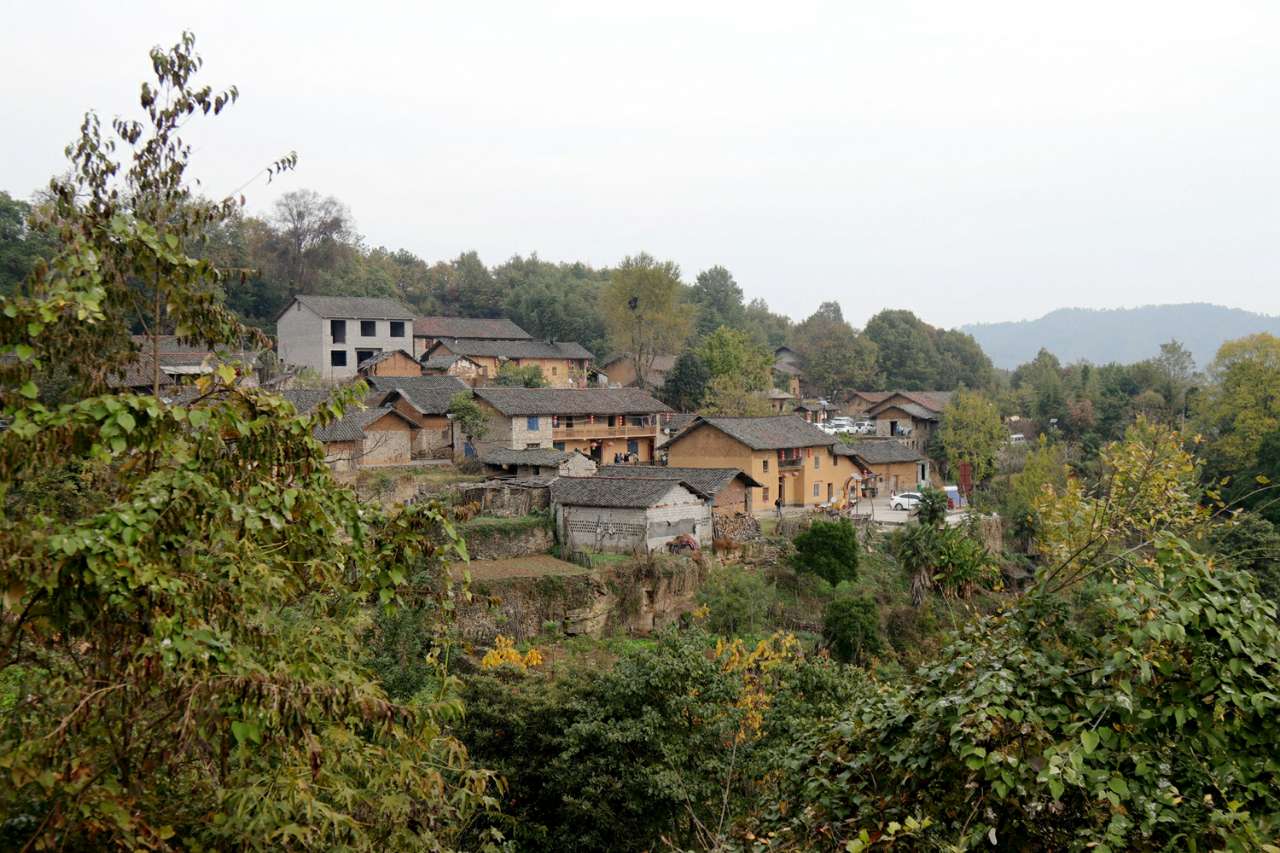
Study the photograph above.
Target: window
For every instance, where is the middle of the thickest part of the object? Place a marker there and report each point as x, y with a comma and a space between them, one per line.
397, 328
338, 331
817, 461
613, 420
532, 423
363, 355
338, 358
766, 470
816, 487
633, 446
368, 328
554, 370
558, 445
765, 494
568, 421
533, 445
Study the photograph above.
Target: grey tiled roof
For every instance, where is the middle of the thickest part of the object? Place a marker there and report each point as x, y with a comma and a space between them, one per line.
351, 426
499, 328
879, 451
932, 401
614, 492
542, 457
916, 410
383, 356
512, 349
430, 394
306, 399
353, 307
571, 401
709, 480
780, 432
439, 362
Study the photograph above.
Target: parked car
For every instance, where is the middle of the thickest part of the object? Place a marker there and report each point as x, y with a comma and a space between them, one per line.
904, 501
840, 424
864, 427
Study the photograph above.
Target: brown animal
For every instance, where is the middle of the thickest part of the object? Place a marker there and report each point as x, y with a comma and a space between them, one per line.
724, 546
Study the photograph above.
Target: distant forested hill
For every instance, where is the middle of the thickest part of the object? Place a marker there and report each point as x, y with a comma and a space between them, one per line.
1123, 334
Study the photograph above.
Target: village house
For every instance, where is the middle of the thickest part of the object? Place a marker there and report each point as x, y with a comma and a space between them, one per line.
730, 488
537, 462
793, 460
786, 370
428, 330
392, 362
888, 465
605, 424
815, 411
860, 401
332, 335
628, 515
362, 437
779, 401
181, 363
424, 400
621, 371
454, 365
563, 363
909, 416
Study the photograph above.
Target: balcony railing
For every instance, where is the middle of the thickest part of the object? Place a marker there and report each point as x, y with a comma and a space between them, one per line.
603, 430
784, 464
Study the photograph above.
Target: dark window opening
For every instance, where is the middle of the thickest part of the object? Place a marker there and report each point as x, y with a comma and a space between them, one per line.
397, 328
368, 328
338, 358
338, 331
362, 355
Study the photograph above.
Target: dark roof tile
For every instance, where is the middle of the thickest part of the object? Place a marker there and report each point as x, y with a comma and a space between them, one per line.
709, 480
499, 328
616, 492
779, 432
571, 401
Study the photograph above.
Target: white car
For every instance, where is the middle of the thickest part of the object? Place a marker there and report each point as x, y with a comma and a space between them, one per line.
864, 427
904, 501
840, 425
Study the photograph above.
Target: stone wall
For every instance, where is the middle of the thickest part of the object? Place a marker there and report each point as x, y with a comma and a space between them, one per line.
501, 539
630, 598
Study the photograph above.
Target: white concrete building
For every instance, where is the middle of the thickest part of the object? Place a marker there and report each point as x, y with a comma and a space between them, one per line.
333, 334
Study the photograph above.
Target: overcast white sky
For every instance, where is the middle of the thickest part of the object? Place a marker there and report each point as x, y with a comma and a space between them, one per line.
969, 161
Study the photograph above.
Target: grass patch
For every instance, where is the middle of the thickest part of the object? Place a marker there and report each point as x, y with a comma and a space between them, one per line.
493, 524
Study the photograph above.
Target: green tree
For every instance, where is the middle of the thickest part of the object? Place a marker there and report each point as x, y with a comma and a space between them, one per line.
973, 433
685, 385
644, 312
513, 375
962, 363
729, 396
467, 414
828, 549
851, 629
1242, 402
834, 357
719, 301
186, 586
728, 352
21, 246
907, 355
737, 598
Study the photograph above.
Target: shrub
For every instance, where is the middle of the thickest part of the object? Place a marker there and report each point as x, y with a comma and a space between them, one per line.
738, 599
851, 629
828, 549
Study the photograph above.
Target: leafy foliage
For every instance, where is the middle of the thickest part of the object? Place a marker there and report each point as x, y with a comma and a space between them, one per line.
737, 599
851, 629
513, 375
1149, 722
685, 384
182, 630
644, 311
828, 549
468, 415
973, 433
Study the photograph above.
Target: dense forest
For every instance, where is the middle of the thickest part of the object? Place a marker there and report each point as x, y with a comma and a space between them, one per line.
209, 642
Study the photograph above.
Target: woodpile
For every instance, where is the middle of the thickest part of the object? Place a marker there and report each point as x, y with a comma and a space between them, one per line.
736, 528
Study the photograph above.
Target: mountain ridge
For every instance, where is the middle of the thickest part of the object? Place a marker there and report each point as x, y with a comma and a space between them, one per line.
1126, 335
